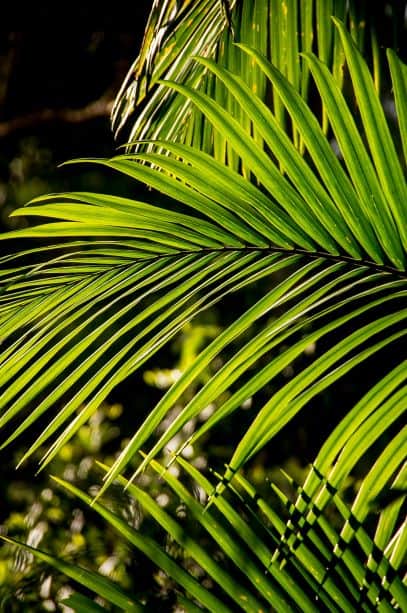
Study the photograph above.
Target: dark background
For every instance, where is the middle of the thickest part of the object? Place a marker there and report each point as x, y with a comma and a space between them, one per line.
56, 91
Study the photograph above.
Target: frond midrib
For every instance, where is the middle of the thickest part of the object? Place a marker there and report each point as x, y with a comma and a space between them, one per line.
341, 258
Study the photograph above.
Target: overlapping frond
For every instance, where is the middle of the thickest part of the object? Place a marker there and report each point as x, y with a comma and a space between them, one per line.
177, 31
287, 559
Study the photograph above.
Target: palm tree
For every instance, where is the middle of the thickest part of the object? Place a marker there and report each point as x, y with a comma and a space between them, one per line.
259, 189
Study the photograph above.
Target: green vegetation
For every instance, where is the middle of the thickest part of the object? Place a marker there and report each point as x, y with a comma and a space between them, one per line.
282, 203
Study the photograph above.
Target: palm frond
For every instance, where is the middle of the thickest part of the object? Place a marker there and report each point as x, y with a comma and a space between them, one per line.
95, 582
281, 31
167, 48
288, 559
99, 313
259, 197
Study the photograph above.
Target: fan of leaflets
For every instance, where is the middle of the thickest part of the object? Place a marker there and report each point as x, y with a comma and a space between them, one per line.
179, 30
128, 275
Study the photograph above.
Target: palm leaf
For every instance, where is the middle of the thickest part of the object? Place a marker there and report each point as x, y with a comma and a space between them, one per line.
154, 551
279, 30
260, 196
297, 562
95, 582
73, 310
